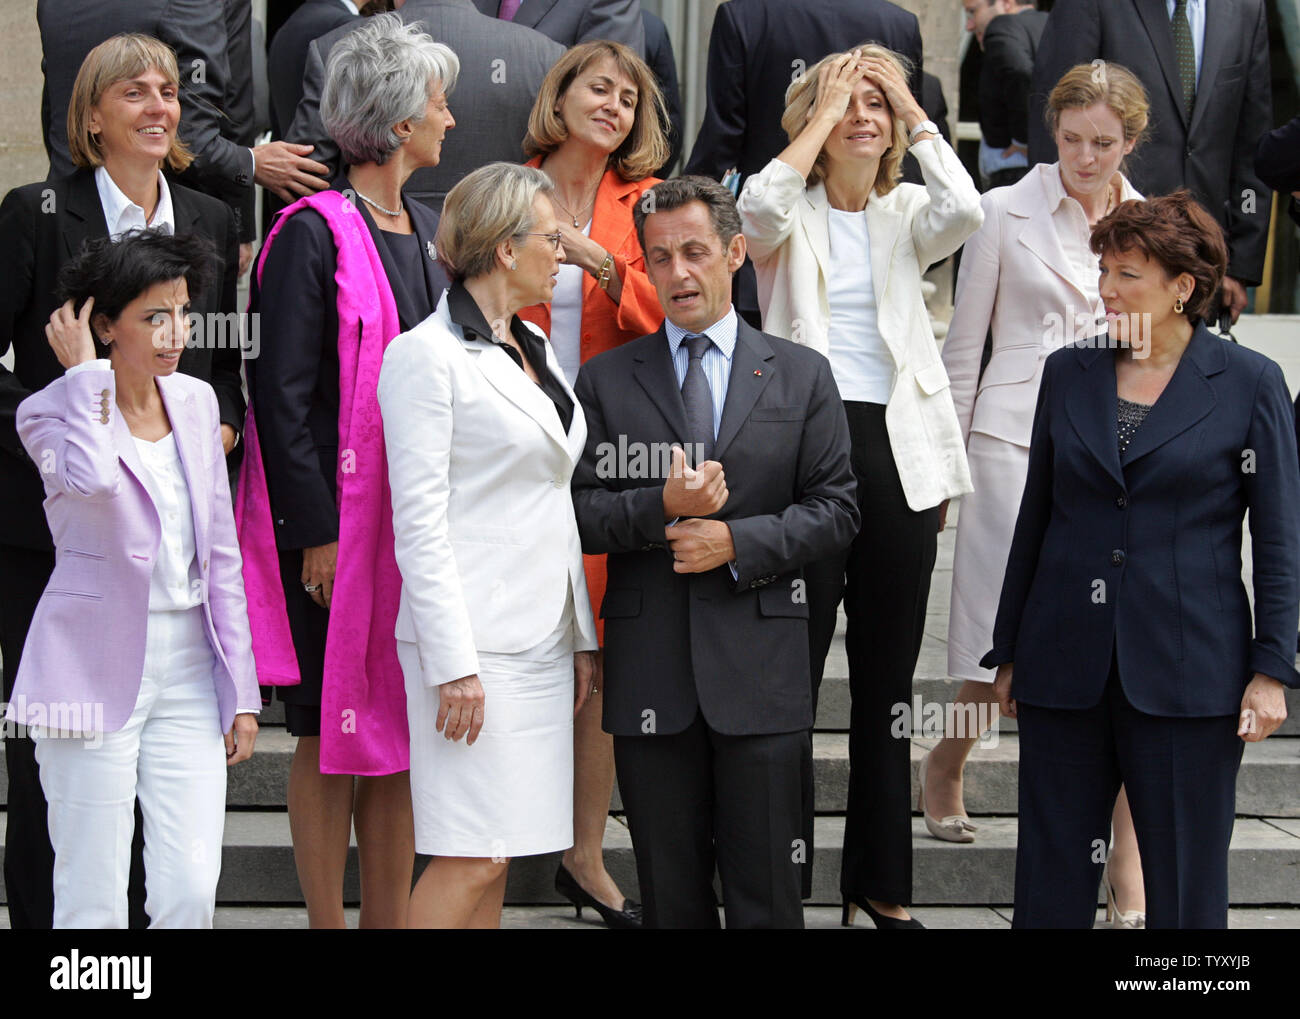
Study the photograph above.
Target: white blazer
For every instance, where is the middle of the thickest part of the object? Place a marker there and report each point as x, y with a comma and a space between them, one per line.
479, 465
1018, 280
786, 225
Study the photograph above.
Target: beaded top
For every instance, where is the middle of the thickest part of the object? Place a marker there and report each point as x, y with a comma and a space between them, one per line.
1131, 415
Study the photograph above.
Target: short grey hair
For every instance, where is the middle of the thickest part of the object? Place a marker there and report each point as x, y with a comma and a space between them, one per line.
489, 206
377, 76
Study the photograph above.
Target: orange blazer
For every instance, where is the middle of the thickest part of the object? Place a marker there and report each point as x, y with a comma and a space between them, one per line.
606, 324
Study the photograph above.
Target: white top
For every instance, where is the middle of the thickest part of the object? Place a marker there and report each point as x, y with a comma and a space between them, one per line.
121, 214
566, 317
861, 363
1071, 225
174, 584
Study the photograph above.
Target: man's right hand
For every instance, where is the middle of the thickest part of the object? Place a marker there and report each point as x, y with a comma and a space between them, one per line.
284, 168
697, 492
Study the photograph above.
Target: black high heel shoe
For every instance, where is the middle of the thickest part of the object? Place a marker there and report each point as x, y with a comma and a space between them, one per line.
626, 919
882, 922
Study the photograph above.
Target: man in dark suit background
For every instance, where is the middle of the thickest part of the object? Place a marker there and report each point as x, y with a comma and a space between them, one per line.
198, 32
707, 687
501, 69
756, 49
570, 22
1208, 108
659, 55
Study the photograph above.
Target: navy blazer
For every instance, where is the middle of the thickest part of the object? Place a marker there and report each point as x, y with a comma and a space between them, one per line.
1142, 554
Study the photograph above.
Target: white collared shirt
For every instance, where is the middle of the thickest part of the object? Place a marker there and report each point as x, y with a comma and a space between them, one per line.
121, 214
173, 585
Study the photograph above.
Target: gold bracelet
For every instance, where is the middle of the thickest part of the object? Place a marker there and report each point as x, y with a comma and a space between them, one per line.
603, 274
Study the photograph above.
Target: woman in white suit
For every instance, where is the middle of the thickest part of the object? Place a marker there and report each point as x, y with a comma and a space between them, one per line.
495, 632
839, 247
1029, 277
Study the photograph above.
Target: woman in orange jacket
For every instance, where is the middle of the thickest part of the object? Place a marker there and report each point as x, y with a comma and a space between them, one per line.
595, 130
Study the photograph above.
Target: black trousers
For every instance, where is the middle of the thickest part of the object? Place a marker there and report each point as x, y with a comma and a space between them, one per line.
884, 580
1181, 779
697, 800
29, 857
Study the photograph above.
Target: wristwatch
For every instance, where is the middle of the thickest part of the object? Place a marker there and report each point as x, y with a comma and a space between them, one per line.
922, 128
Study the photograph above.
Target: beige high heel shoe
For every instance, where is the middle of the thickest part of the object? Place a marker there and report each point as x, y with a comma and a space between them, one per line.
954, 828
1128, 920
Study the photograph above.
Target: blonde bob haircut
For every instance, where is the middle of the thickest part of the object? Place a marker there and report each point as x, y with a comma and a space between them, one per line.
801, 97
1113, 85
118, 58
645, 148
486, 208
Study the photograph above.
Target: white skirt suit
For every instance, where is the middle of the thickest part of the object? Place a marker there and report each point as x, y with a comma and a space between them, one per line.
492, 585
1029, 276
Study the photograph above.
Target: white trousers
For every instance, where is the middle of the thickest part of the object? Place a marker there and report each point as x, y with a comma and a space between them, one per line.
172, 756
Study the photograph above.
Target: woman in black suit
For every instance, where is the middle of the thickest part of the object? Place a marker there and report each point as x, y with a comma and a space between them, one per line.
122, 123
385, 105
1123, 609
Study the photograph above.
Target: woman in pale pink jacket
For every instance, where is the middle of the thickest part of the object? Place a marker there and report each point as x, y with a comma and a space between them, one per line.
1028, 277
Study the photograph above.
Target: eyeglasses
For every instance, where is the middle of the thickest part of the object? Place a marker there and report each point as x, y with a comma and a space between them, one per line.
553, 238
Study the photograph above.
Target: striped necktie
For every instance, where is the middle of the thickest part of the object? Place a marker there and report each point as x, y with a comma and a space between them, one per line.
697, 399
1185, 51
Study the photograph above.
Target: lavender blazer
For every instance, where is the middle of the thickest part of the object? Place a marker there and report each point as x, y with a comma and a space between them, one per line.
86, 644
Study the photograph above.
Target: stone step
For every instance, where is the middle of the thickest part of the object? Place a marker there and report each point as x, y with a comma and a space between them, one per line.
1266, 785
258, 866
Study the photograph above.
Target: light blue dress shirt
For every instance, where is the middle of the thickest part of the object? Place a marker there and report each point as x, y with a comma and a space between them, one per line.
1196, 22
716, 361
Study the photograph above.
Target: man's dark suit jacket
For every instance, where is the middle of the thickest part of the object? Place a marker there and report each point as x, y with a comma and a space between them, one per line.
501, 70
294, 383
197, 31
1277, 161
675, 644
43, 226
1210, 149
1142, 553
659, 55
1007, 74
570, 22
756, 48
239, 124
287, 55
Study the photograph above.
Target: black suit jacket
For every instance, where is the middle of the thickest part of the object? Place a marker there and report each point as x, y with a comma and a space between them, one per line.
1277, 161
754, 50
570, 22
1210, 149
1142, 553
659, 55
294, 381
1007, 74
287, 55
41, 227
675, 644
198, 32
239, 124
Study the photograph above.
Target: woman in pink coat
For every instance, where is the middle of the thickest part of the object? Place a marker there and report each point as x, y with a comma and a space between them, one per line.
1029, 277
137, 676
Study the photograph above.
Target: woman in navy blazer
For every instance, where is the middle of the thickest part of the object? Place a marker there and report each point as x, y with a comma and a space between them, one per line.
1123, 608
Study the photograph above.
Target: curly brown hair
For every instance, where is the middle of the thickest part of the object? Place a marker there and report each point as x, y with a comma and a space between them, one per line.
1176, 231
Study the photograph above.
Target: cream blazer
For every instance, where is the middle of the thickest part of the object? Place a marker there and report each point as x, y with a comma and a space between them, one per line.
787, 230
479, 465
1016, 279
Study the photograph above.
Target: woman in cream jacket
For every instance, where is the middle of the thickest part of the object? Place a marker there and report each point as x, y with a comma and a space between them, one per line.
1029, 277
839, 246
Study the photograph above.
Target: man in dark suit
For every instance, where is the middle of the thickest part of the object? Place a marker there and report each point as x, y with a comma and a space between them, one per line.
42, 225
287, 55
570, 22
197, 31
501, 69
756, 49
1008, 32
707, 688
659, 55
1205, 68
239, 123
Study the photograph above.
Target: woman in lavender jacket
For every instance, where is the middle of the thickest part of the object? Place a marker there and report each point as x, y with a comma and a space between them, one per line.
137, 676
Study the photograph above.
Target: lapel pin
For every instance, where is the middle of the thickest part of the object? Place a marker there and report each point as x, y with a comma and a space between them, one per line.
433, 251
758, 373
